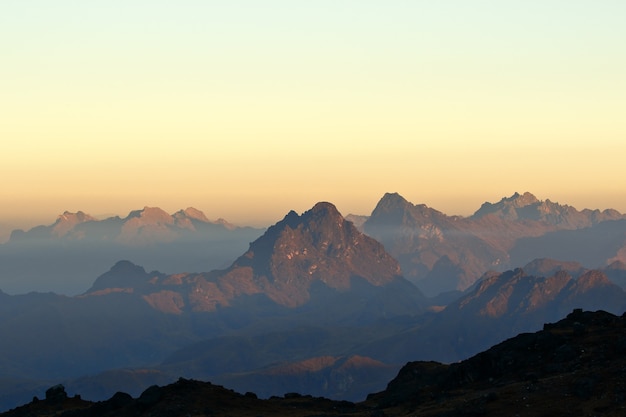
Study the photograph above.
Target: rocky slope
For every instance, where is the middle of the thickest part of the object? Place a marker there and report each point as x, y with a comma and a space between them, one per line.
570, 368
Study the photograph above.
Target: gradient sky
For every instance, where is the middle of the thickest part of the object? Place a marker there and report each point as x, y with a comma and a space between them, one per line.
248, 109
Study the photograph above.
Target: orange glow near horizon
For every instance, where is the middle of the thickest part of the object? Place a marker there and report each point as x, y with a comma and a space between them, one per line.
247, 111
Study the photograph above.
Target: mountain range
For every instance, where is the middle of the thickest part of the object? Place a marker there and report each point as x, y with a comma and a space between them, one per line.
65, 256
441, 253
312, 303
437, 252
301, 260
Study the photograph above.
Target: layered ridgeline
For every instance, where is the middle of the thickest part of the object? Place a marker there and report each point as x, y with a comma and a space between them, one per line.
569, 368
65, 256
309, 275
437, 252
301, 260
312, 304
501, 305
442, 253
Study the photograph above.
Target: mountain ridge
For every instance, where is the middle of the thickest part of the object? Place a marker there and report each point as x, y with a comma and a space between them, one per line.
282, 264
66, 223
441, 253
62, 256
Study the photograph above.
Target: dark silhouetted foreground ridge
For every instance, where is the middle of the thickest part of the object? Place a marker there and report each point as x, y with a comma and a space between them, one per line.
574, 367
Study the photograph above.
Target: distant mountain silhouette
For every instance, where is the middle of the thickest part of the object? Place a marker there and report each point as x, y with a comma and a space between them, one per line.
419, 237
528, 207
499, 306
65, 256
595, 246
441, 253
437, 252
148, 226
358, 220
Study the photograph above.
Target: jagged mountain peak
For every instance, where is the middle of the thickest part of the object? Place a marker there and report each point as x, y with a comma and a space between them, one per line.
324, 208
393, 200
313, 221
191, 213
301, 259
225, 223
319, 245
527, 207
322, 223
395, 209
78, 216
517, 292
150, 213
507, 206
66, 221
521, 200
323, 213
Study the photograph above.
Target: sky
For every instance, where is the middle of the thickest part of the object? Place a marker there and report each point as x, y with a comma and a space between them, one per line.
249, 109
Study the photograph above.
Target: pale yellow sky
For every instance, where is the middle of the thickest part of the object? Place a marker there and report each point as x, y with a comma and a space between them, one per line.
249, 109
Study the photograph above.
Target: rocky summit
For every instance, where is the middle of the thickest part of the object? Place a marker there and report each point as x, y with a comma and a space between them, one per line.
320, 245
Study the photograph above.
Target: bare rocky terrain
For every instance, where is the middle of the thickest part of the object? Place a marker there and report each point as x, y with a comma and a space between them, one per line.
572, 367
